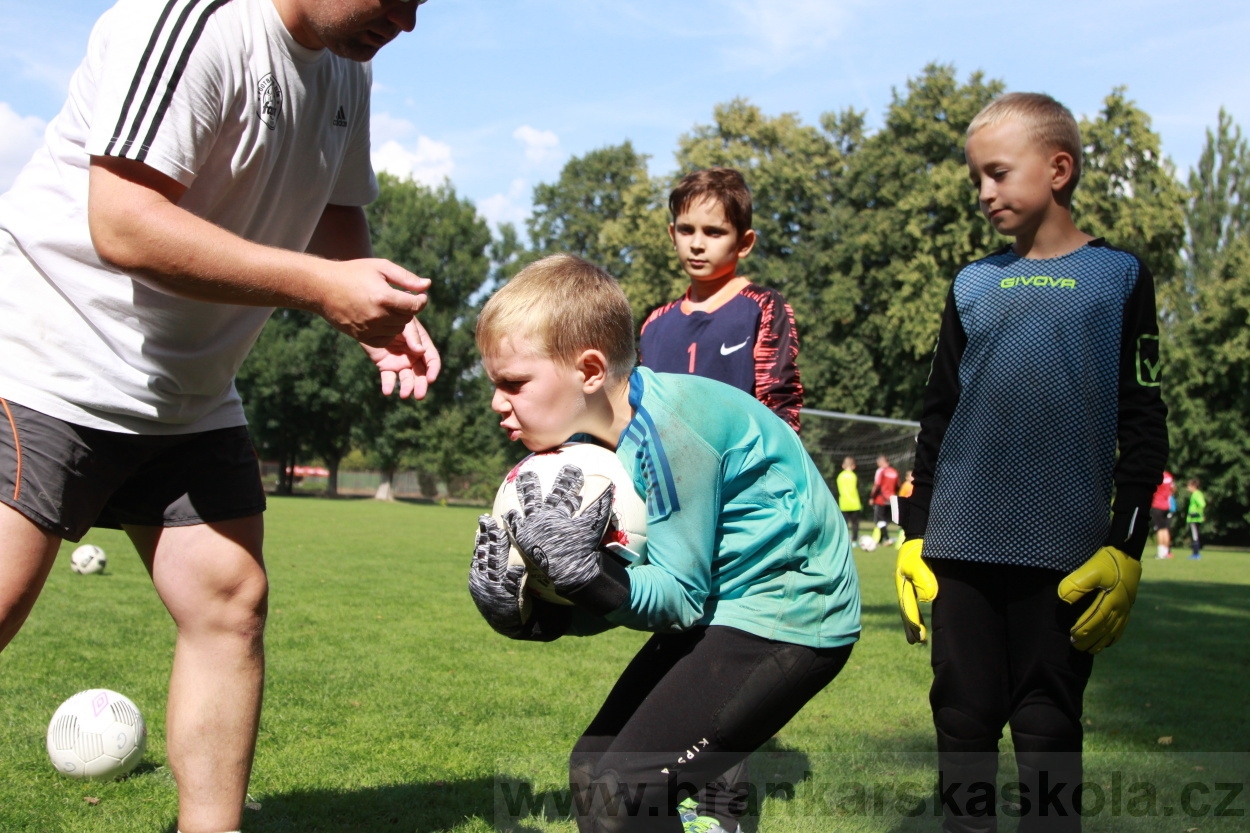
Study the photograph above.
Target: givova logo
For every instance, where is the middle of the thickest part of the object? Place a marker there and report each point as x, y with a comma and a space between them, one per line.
1037, 280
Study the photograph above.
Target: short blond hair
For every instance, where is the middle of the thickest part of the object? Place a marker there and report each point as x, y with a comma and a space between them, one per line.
1048, 123
565, 305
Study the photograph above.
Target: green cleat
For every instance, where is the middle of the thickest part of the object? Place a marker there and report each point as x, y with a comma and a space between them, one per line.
692, 822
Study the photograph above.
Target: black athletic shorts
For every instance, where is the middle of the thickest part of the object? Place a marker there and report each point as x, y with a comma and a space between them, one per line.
66, 478
1160, 519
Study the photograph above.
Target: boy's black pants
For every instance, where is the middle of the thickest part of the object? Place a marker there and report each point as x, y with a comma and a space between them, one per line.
688, 708
1002, 656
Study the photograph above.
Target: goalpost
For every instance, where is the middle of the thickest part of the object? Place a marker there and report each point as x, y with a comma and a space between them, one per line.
831, 436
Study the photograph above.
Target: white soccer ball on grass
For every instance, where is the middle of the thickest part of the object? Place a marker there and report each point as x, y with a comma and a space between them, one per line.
626, 536
97, 733
87, 559
867, 543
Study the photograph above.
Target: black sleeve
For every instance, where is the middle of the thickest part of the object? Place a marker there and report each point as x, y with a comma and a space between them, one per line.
1142, 434
941, 395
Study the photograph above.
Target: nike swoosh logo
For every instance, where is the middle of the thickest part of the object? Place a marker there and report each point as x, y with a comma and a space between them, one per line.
725, 351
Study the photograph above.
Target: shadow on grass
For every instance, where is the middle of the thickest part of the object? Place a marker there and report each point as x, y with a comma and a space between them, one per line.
503, 803
1182, 664
412, 808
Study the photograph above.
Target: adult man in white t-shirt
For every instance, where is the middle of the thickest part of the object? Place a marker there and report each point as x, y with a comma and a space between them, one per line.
211, 163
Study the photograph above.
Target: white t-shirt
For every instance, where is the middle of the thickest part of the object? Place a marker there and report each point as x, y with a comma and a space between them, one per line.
263, 132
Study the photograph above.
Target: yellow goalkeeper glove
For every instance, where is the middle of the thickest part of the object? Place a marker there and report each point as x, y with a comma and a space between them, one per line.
915, 583
1114, 576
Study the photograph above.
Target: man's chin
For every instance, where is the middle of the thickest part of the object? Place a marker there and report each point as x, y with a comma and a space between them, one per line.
354, 50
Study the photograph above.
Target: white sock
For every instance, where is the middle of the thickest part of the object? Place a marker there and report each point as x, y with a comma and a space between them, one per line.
1163, 551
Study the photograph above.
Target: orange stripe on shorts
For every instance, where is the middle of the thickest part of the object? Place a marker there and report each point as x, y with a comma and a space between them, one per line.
17, 448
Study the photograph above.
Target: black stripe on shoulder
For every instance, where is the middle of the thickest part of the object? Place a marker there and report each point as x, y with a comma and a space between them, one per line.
176, 75
138, 76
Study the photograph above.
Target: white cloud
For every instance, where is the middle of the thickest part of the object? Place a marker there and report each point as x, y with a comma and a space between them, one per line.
429, 162
540, 145
383, 127
19, 137
426, 160
512, 207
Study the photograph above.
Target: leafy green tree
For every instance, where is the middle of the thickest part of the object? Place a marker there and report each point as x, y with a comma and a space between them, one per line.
440, 236
570, 213
1218, 211
1128, 191
1205, 338
267, 383
1208, 392
904, 221
334, 382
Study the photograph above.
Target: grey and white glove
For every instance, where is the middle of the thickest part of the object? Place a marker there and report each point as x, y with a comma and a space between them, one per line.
496, 587
567, 547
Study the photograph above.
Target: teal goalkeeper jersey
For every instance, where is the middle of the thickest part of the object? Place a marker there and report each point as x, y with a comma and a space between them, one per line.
741, 529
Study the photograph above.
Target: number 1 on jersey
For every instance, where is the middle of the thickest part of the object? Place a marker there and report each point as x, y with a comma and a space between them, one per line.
693, 349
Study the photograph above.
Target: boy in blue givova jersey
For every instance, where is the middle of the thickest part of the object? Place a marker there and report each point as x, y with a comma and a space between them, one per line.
1047, 364
748, 582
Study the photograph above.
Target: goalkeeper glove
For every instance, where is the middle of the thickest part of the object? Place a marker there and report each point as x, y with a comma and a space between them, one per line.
566, 547
914, 582
497, 587
1114, 576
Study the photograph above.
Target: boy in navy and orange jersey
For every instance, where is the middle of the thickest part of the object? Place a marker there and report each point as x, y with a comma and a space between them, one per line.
724, 327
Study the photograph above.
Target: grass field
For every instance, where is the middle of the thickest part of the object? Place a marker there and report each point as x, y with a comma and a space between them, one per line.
390, 706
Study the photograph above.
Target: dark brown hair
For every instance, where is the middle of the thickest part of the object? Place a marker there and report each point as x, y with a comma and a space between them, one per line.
725, 185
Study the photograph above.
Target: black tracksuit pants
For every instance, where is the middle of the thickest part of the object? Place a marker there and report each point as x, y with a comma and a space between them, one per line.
1002, 656
688, 708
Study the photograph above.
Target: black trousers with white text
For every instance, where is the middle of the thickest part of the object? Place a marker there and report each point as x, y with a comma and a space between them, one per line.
689, 707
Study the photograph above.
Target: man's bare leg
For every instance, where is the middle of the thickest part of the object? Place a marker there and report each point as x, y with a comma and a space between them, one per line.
26, 556
211, 578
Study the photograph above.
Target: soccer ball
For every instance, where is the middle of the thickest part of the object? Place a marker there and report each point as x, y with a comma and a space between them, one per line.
626, 536
867, 543
87, 559
97, 733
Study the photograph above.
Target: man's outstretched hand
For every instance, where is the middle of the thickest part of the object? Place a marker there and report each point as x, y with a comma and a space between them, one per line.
410, 360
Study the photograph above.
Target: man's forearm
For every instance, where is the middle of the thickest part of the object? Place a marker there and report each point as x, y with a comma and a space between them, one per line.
137, 227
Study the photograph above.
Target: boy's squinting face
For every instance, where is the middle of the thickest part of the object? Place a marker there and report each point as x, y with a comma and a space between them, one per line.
708, 245
539, 399
1015, 179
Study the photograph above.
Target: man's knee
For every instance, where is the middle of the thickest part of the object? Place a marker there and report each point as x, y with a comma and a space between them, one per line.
234, 602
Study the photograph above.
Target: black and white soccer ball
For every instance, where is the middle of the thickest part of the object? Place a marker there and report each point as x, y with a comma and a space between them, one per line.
87, 559
626, 535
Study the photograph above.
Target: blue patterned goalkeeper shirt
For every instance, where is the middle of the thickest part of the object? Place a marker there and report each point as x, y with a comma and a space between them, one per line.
1043, 402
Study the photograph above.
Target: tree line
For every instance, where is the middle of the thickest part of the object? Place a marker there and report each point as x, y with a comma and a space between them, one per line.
861, 230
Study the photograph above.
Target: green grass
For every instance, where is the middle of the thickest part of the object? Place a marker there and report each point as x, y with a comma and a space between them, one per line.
390, 706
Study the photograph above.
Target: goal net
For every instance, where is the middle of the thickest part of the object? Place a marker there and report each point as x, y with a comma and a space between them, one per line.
831, 437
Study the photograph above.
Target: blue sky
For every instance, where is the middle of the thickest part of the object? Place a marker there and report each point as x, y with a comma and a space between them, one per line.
496, 95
